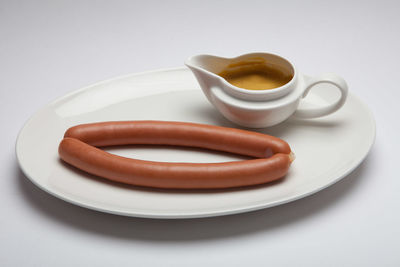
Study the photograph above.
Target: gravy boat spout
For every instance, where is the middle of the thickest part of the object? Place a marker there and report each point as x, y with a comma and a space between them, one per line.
207, 63
206, 68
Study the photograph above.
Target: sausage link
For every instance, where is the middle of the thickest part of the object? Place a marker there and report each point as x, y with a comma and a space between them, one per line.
172, 175
180, 134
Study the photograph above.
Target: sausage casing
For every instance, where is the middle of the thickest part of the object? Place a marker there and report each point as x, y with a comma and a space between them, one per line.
179, 134
273, 155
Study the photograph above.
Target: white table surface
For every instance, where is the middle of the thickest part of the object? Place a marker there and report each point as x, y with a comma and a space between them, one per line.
49, 48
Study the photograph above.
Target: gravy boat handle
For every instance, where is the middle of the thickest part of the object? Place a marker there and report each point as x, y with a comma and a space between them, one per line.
330, 78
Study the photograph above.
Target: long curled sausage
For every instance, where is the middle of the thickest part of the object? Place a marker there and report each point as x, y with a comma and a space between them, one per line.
273, 154
179, 134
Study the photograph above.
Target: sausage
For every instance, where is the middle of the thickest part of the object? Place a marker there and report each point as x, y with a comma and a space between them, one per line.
173, 175
79, 149
179, 134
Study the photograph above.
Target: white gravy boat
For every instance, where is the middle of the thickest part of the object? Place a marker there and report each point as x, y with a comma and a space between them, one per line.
261, 108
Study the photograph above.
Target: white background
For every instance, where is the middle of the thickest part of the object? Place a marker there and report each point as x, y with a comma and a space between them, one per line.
49, 48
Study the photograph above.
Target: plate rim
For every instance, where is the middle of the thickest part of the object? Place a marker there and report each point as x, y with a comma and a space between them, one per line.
185, 215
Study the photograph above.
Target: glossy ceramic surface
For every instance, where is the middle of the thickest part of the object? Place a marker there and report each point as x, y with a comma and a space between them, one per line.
262, 108
322, 147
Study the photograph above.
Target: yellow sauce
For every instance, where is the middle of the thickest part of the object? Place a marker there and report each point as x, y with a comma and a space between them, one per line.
255, 74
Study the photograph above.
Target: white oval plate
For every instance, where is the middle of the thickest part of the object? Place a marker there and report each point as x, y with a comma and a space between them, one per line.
327, 149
